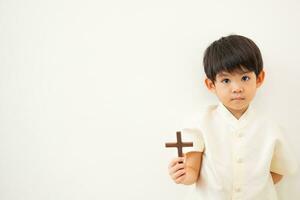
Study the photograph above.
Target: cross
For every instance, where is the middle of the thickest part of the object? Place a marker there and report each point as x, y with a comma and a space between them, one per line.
179, 144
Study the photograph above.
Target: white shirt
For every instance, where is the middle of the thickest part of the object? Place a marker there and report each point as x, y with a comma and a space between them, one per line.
238, 154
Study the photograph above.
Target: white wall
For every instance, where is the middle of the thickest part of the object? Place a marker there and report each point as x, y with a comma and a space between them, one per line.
91, 90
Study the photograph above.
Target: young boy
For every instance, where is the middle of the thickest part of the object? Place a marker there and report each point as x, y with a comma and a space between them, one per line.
238, 153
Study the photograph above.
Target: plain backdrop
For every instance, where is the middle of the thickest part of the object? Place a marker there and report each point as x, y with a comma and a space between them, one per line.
91, 90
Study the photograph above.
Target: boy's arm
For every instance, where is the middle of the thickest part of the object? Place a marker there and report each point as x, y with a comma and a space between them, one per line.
276, 177
193, 166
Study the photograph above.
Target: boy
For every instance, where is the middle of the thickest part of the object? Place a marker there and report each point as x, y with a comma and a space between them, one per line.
237, 153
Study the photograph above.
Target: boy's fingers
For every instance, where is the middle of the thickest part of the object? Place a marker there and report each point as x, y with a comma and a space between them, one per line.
180, 178
175, 161
176, 168
179, 173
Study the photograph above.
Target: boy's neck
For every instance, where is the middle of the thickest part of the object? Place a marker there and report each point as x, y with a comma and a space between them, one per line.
237, 113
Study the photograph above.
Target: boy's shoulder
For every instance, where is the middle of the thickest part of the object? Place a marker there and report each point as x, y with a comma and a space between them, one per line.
207, 111
268, 122
265, 118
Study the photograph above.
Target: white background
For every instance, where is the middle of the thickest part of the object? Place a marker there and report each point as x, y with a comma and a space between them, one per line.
91, 90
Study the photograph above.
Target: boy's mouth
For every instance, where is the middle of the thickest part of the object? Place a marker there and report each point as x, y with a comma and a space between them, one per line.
238, 98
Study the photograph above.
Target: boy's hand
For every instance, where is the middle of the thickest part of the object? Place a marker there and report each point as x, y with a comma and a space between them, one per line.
177, 171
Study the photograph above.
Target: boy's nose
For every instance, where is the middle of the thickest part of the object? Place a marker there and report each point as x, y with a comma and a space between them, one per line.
237, 88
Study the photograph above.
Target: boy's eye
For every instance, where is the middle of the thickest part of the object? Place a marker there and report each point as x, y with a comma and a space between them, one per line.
245, 78
226, 80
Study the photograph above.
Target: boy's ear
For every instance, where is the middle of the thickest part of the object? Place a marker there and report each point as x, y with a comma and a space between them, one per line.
210, 85
260, 79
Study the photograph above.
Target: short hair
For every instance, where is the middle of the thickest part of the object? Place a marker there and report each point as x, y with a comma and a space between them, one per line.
232, 53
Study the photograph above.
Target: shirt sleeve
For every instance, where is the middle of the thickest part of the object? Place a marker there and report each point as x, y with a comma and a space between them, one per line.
191, 132
283, 160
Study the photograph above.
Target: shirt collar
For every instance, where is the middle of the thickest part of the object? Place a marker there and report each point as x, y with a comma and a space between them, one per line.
229, 117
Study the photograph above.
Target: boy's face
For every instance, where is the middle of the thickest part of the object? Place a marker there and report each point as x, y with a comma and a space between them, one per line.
235, 90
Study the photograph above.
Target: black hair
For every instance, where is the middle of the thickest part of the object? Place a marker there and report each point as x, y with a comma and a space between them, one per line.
232, 53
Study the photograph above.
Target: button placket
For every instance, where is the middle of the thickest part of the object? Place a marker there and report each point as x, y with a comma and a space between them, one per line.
239, 134
238, 165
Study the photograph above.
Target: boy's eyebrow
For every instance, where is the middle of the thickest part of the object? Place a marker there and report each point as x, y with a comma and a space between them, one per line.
222, 74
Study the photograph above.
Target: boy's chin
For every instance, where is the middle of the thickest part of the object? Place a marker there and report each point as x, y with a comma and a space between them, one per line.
238, 107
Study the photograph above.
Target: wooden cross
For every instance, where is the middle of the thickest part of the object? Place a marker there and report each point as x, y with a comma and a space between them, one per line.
179, 144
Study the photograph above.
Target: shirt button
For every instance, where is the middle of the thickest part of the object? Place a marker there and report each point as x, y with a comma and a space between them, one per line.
239, 134
237, 189
239, 160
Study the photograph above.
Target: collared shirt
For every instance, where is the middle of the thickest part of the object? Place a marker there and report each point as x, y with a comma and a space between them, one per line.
238, 154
